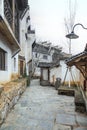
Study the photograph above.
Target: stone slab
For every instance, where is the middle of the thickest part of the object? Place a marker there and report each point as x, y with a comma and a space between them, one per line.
81, 120
61, 127
80, 128
65, 119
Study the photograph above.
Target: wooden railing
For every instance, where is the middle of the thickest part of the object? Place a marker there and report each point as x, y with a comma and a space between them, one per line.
9, 16
8, 12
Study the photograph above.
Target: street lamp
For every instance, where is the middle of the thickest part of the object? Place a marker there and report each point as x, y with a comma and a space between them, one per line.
72, 35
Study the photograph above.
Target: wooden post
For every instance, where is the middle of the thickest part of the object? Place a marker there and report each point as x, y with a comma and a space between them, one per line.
41, 74
48, 75
13, 12
85, 81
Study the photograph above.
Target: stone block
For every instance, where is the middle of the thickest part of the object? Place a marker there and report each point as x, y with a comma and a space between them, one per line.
79, 102
44, 83
68, 92
61, 127
66, 119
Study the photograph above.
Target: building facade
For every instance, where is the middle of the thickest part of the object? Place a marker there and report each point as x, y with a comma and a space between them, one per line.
9, 37
27, 38
52, 60
41, 53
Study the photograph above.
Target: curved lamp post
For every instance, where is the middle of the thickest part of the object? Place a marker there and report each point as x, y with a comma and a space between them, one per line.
72, 35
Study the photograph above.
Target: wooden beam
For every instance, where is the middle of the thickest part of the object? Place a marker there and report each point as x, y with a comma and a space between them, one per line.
82, 69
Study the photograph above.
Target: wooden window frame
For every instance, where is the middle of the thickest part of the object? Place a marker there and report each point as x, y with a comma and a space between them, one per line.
45, 57
2, 59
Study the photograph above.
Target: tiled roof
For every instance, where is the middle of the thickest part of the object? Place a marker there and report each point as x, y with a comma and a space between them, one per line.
75, 57
80, 61
48, 65
57, 52
84, 53
44, 64
41, 49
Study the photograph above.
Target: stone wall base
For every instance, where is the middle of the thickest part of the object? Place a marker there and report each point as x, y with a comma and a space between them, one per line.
10, 95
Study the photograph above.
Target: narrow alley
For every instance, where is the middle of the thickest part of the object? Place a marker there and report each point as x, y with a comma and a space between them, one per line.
41, 108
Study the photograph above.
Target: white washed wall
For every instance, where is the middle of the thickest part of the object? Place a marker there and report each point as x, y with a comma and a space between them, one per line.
74, 70
29, 47
5, 75
55, 73
45, 74
40, 57
23, 30
26, 44
37, 72
59, 72
2, 8
15, 67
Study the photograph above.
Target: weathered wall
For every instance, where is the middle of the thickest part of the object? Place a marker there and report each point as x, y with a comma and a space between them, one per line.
55, 73
10, 67
59, 72
5, 75
26, 40
36, 60
75, 73
37, 72
10, 95
1, 8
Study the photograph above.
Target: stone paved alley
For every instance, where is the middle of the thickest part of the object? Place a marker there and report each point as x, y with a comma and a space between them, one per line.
41, 108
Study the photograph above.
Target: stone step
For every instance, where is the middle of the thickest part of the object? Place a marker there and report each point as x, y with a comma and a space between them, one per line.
68, 92
79, 102
80, 105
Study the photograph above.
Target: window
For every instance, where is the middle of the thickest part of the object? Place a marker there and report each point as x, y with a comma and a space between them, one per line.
2, 59
36, 55
45, 57
29, 28
28, 18
14, 64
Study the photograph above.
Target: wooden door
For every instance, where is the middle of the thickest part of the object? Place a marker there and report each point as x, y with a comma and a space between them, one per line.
21, 67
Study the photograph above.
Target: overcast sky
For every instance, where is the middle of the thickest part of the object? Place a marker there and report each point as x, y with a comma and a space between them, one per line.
47, 18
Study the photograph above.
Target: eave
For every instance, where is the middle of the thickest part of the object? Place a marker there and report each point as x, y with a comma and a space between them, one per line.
22, 4
44, 65
80, 61
74, 59
7, 33
48, 65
